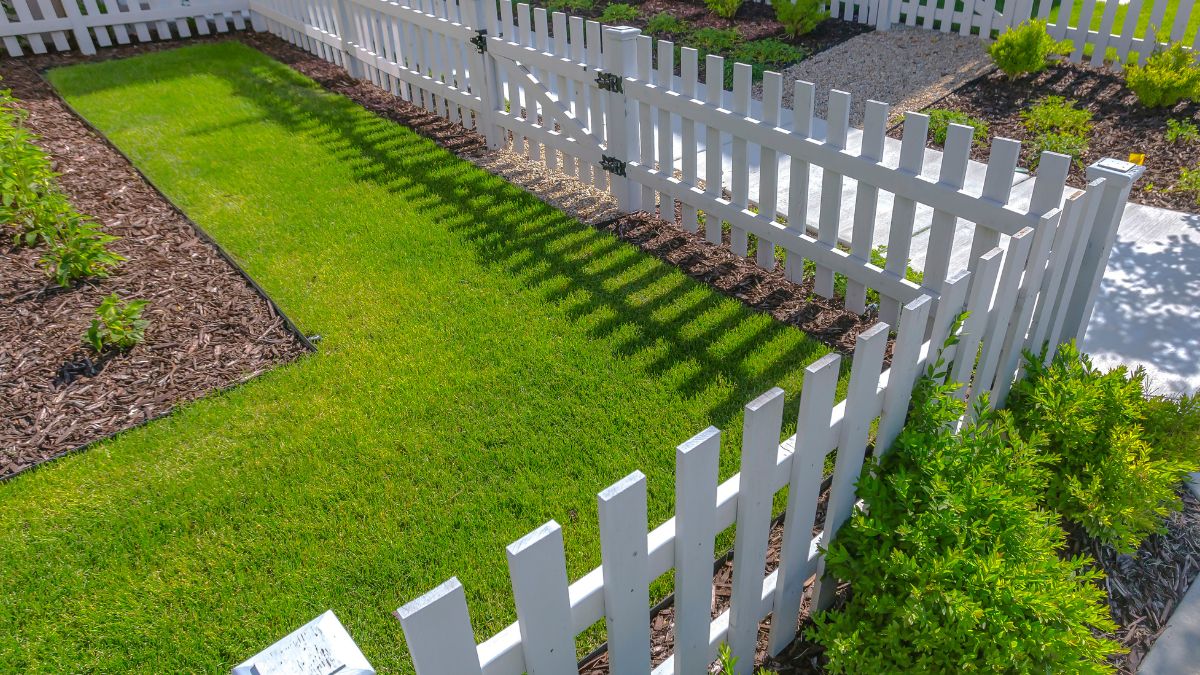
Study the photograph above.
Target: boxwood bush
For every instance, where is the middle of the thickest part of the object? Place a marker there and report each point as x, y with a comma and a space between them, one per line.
1117, 455
1167, 77
955, 567
1024, 49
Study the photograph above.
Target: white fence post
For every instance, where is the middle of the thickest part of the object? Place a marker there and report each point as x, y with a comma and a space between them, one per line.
1100, 236
484, 80
696, 473
619, 133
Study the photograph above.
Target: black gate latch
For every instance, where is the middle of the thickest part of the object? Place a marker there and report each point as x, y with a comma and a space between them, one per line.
480, 40
612, 165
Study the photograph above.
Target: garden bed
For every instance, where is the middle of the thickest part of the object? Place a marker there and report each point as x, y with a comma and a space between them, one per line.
210, 327
1122, 125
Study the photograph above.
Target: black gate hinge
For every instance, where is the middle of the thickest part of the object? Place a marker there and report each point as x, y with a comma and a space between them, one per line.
610, 82
480, 40
612, 165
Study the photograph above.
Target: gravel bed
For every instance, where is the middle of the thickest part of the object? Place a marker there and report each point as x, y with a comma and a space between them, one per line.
909, 68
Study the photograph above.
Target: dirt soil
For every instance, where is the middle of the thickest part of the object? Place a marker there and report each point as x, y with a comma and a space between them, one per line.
1122, 125
209, 328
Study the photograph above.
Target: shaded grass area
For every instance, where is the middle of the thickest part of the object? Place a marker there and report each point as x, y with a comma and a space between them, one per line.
486, 364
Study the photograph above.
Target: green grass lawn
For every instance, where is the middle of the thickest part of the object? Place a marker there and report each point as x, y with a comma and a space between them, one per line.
1141, 29
487, 364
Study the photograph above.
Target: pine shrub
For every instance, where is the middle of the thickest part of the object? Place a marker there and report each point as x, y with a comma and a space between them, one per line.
1023, 50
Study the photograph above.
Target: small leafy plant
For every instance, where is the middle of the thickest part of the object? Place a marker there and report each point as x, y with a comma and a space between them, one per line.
940, 120
619, 13
1189, 181
1023, 50
954, 567
1108, 478
665, 23
1056, 125
767, 54
727, 662
570, 6
1167, 77
1182, 131
799, 17
78, 250
715, 40
726, 9
118, 325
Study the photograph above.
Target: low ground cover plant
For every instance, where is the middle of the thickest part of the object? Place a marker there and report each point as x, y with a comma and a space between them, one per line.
1117, 456
1182, 131
618, 13
799, 17
1023, 50
726, 9
667, 24
39, 213
767, 54
940, 120
570, 6
1167, 77
1056, 125
117, 326
1189, 181
954, 566
710, 40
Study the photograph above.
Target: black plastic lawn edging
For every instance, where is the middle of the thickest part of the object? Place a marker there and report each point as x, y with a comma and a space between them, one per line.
289, 325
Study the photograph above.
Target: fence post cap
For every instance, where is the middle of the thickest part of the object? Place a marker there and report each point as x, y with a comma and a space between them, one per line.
622, 33
320, 647
1110, 167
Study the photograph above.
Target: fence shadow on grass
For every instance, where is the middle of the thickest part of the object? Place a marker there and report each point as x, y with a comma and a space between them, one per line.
634, 303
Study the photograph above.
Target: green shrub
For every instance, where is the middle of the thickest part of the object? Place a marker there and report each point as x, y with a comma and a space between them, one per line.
570, 6
1182, 131
118, 325
1056, 125
1189, 181
767, 54
30, 203
1108, 479
665, 23
78, 250
1167, 77
618, 13
726, 9
799, 17
1024, 49
715, 40
940, 120
954, 567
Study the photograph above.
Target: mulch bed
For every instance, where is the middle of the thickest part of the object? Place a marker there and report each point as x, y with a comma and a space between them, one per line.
1122, 125
209, 328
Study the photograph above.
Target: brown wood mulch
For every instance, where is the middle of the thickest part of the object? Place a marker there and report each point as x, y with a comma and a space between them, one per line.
1122, 125
209, 328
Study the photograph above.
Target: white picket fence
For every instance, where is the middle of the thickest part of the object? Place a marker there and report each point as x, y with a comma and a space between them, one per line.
66, 25
1117, 41
551, 613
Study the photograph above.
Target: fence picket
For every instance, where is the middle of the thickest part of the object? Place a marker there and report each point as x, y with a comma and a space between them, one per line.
997, 186
437, 628
813, 441
866, 202
904, 209
861, 397
983, 282
831, 187
803, 96
740, 180
689, 73
768, 177
696, 463
714, 69
941, 232
623, 554
537, 567
906, 360
760, 441
645, 125
665, 77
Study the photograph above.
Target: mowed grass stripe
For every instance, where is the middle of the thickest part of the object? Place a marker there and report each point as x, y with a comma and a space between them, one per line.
487, 364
